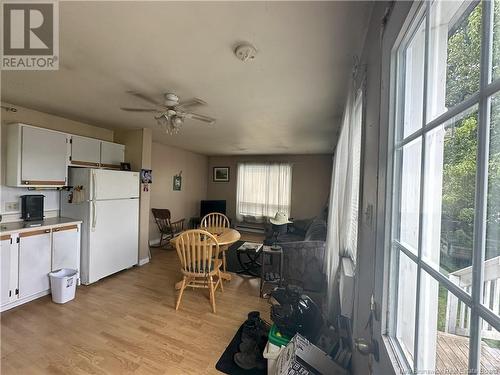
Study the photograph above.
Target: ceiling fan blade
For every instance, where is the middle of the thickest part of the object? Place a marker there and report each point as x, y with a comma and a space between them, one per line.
144, 97
191, 102
138, 109
198, 117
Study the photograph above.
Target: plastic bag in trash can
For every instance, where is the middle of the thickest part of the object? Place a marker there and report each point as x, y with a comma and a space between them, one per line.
63, 285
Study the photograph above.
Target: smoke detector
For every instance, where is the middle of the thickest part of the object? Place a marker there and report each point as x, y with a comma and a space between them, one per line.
245, 52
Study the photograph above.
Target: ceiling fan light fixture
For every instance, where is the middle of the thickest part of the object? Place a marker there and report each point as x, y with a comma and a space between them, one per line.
171, 99
171, 114
162, 121
176, 122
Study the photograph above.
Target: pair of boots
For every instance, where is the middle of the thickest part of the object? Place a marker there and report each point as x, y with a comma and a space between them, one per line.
253, 342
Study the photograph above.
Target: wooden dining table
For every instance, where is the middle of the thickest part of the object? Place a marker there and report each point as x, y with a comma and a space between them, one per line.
225, 237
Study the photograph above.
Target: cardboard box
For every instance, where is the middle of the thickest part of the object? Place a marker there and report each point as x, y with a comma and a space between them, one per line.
300, 357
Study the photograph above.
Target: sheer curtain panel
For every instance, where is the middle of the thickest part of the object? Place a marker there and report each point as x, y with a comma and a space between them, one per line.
262, 190
342, 234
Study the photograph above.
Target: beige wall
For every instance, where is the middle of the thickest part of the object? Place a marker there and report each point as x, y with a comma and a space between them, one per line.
133, 141
310, 181
167, 162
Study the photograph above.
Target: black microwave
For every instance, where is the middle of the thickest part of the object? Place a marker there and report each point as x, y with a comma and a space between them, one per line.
32, 207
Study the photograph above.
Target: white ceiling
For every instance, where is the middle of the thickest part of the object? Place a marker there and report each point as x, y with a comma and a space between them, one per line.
287, 101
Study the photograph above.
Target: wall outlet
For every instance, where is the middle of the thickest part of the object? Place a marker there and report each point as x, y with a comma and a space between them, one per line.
11, 206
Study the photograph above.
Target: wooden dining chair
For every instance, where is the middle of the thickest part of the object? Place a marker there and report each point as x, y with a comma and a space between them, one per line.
198, 251
216, 222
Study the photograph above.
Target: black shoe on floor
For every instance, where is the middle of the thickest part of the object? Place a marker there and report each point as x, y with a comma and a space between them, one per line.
250, 360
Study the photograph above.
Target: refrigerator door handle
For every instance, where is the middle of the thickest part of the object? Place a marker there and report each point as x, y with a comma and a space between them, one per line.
94, 186
94, 216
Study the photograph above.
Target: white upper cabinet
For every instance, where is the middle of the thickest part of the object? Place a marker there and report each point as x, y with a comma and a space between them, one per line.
85, 151
112, 154
36, 157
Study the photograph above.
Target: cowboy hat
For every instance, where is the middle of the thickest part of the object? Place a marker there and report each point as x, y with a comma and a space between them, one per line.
280, 219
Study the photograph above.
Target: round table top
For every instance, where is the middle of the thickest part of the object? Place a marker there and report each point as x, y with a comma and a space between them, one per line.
225, 236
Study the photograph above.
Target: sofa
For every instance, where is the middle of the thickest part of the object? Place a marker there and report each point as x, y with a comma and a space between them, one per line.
304, 255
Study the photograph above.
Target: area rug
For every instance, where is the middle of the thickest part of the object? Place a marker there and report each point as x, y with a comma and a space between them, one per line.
232, 264
226, 363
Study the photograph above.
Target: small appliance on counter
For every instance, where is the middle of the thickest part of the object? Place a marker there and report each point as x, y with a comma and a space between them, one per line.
32, 207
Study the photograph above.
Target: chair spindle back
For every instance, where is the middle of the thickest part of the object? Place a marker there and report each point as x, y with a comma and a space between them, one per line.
197, 250
215, 220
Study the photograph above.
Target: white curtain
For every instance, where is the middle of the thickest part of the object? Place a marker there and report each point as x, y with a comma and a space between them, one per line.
262, 190
342, 234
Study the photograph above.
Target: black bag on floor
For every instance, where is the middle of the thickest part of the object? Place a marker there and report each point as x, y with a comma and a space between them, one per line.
296, 313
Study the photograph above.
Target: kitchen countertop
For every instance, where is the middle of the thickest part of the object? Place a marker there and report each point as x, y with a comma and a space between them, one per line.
22, 226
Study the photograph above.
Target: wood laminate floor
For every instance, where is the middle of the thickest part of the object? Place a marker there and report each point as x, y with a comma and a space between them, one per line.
127, 324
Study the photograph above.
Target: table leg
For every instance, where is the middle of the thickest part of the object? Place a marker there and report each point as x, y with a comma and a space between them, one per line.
224, 249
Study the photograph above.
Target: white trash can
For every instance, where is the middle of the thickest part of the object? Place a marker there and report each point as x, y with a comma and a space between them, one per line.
63, 285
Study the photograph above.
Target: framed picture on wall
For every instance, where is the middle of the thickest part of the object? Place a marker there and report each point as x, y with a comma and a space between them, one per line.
221, 174
177, 182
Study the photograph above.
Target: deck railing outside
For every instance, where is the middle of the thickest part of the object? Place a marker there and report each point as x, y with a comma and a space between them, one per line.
457, 313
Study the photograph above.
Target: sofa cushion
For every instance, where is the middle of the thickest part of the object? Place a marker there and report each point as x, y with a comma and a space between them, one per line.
290, 237
300, 227
316, 231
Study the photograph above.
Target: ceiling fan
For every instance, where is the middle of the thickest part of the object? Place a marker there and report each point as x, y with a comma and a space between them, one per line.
170, 113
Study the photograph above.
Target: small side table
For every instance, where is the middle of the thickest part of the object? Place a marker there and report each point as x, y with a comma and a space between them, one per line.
271, 278
251, 265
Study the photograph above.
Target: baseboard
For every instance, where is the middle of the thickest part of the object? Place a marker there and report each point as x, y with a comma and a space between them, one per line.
143, 261
154, 242
22, 301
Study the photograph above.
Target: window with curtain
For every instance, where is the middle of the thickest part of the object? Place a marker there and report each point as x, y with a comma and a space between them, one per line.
262, 190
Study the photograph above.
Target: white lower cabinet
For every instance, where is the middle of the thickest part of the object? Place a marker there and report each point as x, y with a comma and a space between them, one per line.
34, 262
9, 269
27, 258
65, 247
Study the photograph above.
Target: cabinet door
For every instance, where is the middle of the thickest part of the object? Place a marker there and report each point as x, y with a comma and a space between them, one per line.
65, 247
85, 151
44, 156
112, 154
34, 262
8, 265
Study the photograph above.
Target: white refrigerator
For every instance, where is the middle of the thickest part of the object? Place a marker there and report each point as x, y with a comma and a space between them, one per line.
108, 205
